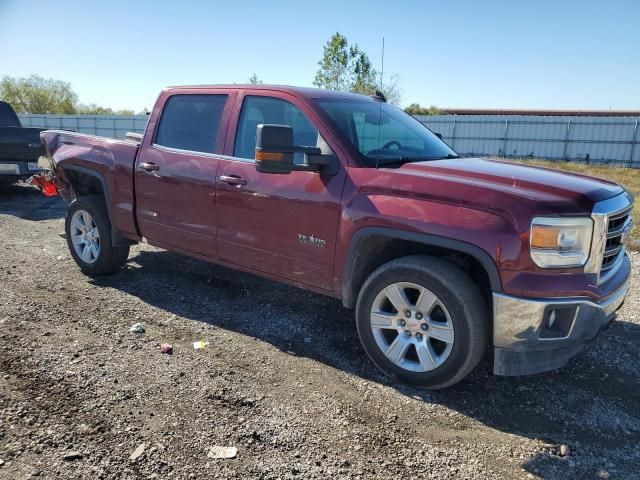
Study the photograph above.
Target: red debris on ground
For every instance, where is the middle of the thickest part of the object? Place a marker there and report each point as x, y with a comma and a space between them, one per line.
45, 183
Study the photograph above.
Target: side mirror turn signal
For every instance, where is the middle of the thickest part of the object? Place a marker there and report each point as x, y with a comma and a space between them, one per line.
275, 150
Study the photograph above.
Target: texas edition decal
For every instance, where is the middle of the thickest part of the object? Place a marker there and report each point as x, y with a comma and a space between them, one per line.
311, 240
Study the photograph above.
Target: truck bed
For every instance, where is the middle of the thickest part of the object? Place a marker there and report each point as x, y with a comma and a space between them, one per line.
109, 161
92, 149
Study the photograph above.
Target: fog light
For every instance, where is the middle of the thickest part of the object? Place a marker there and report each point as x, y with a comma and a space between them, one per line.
558, 321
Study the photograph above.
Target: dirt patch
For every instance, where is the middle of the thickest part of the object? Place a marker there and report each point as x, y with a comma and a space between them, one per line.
283, 379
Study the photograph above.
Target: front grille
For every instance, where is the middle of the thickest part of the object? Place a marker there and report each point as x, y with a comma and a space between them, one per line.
618, 223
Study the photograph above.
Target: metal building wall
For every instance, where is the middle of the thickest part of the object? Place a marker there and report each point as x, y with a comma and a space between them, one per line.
114, 126
586, 139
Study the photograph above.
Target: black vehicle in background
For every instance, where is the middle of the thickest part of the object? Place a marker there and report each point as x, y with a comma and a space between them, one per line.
20, 147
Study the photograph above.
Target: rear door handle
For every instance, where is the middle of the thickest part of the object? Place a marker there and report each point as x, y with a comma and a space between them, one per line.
233, 180
149, 167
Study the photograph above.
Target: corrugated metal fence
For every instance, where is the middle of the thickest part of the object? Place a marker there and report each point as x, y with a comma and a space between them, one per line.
114, 126
587, 139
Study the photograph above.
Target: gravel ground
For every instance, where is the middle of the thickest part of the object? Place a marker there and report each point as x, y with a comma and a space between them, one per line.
283, 379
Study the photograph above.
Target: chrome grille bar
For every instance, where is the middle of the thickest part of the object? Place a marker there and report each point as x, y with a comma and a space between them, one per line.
611, 220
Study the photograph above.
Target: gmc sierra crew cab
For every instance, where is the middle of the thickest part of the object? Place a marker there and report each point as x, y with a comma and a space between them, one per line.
442, 257
20, 147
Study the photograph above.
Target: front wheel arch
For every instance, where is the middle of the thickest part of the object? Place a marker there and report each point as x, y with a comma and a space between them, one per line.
372, 247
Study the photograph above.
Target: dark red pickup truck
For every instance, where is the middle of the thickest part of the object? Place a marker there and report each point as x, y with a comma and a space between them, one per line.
345, 195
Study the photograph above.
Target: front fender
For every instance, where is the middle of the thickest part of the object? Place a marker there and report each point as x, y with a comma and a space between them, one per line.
491, 238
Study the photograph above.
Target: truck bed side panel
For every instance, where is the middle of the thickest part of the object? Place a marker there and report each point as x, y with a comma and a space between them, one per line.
112, 161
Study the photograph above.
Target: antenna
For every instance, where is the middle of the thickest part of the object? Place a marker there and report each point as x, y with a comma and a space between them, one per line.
382, 68
380, 108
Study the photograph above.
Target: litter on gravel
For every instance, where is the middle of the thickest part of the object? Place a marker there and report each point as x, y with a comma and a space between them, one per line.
71, 456
557, 450
137, 328
137, 453
166, 348
200, 344
222, 452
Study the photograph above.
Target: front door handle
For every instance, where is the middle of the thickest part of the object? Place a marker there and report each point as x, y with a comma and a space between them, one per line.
149, 167
233, 180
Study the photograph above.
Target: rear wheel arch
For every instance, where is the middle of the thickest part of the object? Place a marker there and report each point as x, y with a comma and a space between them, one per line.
92, 235
372, 247
86, 182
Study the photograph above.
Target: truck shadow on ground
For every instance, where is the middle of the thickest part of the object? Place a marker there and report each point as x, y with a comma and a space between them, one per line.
591, 405
27, 202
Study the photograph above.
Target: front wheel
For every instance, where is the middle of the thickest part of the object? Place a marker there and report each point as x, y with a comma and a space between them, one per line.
88, 232
422, 321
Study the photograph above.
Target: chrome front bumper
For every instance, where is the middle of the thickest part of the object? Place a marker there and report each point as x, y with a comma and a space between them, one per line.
537, 335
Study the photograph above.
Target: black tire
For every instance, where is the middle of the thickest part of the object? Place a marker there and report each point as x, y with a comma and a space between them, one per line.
463, 302
110, 258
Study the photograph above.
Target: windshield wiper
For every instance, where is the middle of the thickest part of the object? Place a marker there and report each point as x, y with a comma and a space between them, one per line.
407, 159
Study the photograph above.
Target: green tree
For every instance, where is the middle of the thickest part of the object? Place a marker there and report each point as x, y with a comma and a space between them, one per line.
416, 109
392, 90
46, 95
334, 71
364, 76
38, 95
254, 79
93, 109
347, 68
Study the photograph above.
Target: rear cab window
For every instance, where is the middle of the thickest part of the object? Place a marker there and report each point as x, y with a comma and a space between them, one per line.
191, 122
8, 118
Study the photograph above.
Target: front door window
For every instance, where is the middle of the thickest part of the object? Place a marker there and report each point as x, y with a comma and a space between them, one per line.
257, 110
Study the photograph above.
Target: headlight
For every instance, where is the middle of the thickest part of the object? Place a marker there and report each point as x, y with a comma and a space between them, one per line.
560, 242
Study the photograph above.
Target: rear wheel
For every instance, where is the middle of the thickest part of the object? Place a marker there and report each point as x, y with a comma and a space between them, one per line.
422, 321
88, 231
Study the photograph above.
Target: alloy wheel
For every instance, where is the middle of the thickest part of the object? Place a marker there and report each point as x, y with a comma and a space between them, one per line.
85, 236
412, 327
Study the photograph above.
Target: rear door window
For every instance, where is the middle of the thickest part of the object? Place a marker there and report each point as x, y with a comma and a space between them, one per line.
191, 122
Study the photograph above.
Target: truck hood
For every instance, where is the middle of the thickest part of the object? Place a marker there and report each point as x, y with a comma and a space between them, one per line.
566, 193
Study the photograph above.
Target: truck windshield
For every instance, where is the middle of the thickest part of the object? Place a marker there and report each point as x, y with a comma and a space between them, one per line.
384, 134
